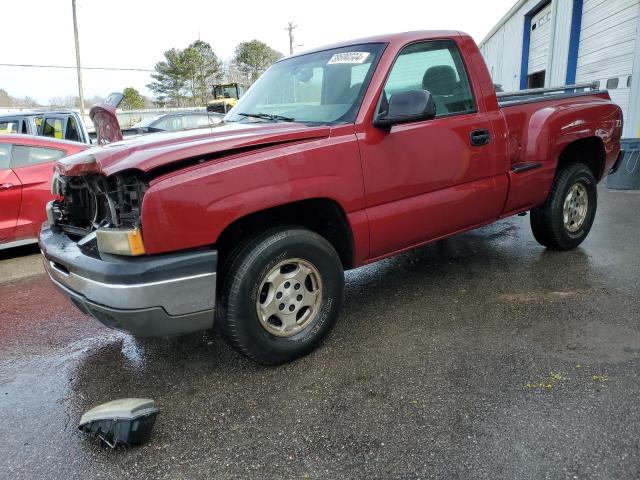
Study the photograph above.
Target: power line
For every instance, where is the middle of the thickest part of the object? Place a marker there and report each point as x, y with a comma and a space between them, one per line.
117, 69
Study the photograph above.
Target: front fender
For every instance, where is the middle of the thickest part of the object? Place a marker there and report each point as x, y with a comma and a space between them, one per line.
190, 208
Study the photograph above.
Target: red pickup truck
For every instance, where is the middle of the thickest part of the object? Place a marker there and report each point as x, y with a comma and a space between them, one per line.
333, 159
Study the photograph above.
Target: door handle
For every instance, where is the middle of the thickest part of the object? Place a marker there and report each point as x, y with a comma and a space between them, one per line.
6, 186
480, 137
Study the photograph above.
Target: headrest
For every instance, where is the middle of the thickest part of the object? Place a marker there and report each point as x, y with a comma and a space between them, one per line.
440, 80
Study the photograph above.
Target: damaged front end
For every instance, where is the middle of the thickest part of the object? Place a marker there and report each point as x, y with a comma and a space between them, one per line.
102, 214
94, 253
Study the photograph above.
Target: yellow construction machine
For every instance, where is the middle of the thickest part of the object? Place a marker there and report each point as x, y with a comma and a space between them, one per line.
225, 96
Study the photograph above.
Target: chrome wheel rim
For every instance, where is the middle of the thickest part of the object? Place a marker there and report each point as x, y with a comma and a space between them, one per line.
576, 204
289, 297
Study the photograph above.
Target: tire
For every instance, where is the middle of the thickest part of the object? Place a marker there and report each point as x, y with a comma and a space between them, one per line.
260, 271
548, 223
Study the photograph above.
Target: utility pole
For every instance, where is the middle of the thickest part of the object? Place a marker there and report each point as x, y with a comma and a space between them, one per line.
78, 67
290, 28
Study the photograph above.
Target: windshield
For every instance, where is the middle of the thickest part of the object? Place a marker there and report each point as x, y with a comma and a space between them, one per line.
320, 87
225, 91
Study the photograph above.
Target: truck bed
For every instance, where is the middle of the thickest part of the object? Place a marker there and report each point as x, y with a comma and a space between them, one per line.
507, 99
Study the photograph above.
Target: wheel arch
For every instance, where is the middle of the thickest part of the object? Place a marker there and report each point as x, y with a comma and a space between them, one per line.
588, 150
323, 216
559, 134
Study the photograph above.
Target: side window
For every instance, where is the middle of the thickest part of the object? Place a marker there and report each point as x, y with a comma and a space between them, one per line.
167, 124
52, 127
196, 121
38, 123
24, 156
437, 67
72, 132
358, 74
612, 83
9, 126
307, 87
5, 156
304, 86
176, 123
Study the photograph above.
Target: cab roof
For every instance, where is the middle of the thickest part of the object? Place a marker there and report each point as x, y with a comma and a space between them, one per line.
36, 111
392, 39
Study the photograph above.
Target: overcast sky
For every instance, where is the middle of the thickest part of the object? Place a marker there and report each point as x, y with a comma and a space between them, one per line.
135, 33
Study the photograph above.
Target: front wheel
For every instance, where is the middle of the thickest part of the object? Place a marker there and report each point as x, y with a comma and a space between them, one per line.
281, 295
564, 221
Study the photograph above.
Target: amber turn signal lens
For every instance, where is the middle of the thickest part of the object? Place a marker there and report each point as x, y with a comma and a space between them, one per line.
120, 241
136, 246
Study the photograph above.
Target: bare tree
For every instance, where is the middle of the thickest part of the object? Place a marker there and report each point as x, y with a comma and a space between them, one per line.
95, 100
6, 100
9, 101
69, 101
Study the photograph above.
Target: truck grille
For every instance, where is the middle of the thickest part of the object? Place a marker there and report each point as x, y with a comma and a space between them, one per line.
94, 201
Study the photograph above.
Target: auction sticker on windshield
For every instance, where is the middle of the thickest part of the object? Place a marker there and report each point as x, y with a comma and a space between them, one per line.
348, 57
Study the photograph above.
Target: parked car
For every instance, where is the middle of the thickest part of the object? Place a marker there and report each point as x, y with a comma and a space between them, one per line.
59, 124
333, 159
26, 167
172, 122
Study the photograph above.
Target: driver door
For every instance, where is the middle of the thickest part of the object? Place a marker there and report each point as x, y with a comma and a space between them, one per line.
431, 178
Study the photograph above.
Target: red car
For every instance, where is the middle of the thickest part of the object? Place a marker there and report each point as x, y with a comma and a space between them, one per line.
333, 159
26, 167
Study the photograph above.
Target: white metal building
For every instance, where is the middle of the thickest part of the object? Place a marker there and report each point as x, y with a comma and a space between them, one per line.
556, 42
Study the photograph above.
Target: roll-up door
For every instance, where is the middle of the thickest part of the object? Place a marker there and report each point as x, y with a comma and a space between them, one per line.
539, 42
606, 50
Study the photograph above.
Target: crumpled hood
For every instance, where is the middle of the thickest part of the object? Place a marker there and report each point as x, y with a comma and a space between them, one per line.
105, 120
148, 152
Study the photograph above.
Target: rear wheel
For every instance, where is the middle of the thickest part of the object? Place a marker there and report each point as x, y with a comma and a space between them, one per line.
564, 221
281, 295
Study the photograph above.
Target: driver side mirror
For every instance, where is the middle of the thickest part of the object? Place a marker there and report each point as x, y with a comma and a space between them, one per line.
405, 107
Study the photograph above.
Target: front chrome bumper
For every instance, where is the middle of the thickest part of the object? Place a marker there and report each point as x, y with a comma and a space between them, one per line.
160, 295
177, 296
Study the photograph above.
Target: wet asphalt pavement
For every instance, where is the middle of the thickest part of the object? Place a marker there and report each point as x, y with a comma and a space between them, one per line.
482, 356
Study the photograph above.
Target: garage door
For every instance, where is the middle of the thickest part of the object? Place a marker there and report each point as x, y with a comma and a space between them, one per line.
607, 40
539, 41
